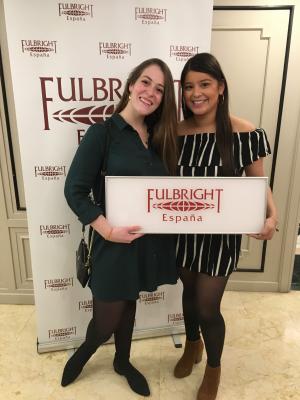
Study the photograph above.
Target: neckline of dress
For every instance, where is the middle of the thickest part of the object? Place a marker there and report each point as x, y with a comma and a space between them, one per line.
214, 133
198, 133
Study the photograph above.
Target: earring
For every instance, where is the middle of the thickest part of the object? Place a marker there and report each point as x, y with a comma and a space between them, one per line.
221, 98
129, 97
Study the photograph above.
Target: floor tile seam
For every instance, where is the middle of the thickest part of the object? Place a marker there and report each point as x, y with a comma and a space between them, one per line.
19, 333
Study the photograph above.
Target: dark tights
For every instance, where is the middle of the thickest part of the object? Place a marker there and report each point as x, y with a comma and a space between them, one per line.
111, 317
201, 300
115, 317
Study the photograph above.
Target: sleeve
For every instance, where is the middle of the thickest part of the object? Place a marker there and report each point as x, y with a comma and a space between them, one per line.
83, 172
250, 146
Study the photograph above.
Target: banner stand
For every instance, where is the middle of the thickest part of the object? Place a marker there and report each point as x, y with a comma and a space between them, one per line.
174, 332
71, 61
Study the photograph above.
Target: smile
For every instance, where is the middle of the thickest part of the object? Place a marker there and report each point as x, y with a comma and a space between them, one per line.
146, 102
196, 102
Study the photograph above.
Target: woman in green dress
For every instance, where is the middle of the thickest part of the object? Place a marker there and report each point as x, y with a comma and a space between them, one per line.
125, 262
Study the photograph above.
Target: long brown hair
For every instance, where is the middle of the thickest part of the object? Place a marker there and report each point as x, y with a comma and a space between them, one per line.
163, 121
208, 64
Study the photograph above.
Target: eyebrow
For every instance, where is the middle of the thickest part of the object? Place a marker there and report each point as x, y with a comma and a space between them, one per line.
201, 80
146, 76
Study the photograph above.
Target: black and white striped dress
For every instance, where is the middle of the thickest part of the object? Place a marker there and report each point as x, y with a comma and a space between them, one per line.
215, 255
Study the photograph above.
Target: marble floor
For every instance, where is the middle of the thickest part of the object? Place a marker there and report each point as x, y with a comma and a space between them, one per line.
261, 357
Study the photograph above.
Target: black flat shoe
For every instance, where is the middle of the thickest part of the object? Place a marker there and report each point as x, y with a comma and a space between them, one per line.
135, 379
75, 365
71, 371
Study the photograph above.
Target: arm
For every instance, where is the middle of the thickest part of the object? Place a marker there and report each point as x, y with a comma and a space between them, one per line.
83, 172
257, 169
118, 234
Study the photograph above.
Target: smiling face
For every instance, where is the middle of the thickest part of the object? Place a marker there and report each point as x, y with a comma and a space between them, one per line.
201, 93
147, 92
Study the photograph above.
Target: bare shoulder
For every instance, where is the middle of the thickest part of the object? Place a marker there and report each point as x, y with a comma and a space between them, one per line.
241, 125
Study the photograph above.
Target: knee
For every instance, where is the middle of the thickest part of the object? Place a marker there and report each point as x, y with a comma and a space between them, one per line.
208, 316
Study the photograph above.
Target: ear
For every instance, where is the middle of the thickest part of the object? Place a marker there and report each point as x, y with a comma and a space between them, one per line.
130, 88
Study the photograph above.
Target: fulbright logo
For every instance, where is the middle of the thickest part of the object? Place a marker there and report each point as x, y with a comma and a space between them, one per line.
38, 48
50, 172
175, 319
152, 298
183, 205
62, 333
183, 53
86, 115
75, 11
115, 51
150, 16
107, 91
54, 231
85, 305
58, 284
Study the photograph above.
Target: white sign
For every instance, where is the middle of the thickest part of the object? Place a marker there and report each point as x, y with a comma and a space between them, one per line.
187, 204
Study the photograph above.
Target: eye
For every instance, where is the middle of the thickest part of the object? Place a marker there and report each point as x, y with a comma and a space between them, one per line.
145, 81
204, 84
188, 86
160, 90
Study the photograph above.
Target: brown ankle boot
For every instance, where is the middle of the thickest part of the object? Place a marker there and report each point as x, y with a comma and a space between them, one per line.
192, 355
210, 384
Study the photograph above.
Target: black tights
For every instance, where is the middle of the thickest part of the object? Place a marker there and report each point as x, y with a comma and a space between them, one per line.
111, 317
201, 300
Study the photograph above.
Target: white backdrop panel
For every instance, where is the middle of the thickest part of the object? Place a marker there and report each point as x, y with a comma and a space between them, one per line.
68, 63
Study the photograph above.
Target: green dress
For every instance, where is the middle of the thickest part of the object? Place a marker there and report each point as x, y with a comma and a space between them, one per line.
120, 271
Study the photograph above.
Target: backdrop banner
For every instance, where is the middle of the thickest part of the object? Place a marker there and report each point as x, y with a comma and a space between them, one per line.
68, 63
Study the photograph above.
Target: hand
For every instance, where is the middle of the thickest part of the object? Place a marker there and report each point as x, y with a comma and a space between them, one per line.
124, 234
268, 230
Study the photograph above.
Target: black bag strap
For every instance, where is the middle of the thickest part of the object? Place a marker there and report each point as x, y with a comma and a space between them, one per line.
99, 190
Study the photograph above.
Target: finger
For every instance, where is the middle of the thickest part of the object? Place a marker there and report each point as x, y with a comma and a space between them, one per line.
256, 236
265, 236
133, 228
269, 236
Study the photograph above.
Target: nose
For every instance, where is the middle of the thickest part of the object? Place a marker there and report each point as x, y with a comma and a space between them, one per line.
151, 90
197, 91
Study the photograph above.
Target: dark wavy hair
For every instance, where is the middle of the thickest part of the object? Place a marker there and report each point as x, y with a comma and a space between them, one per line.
208, 64
163, 121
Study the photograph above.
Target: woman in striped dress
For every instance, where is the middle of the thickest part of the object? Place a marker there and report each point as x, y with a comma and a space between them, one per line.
212, 143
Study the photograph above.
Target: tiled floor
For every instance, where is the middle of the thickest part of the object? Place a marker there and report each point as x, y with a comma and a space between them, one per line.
261, 357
